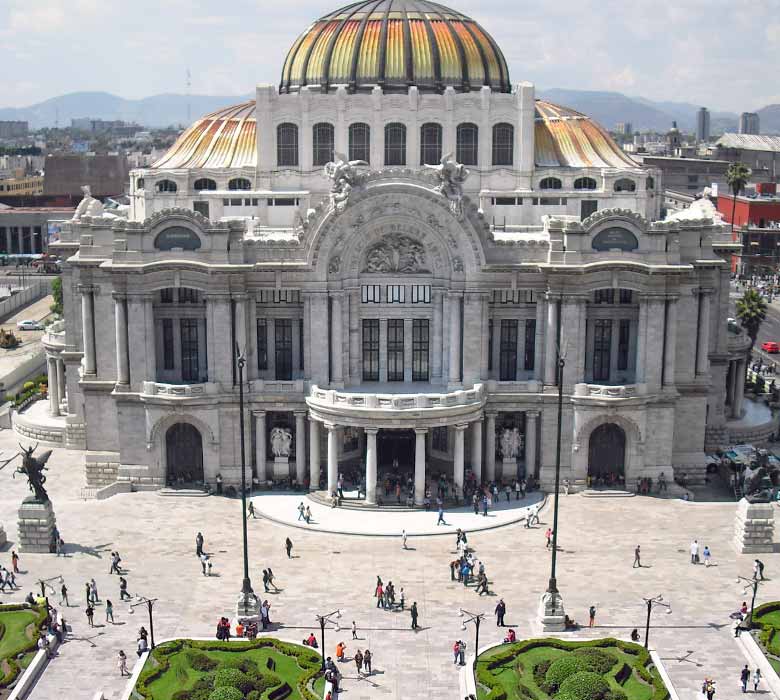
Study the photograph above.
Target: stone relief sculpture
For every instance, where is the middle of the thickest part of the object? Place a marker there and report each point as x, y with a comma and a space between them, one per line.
343, 175
334, 265
511, 443
88, 206
396, 253
451, 175
281, 442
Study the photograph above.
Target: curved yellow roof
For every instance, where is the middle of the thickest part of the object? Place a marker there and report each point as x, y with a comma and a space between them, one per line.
227, 138
395, 44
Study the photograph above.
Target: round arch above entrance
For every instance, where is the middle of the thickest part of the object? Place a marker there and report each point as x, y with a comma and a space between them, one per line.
183, 454
588, 422
607, 453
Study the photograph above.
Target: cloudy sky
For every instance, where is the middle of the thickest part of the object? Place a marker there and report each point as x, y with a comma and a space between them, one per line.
719, 53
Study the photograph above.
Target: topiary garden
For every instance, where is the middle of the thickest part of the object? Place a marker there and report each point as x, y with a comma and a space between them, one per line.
552, 669
766, 618
19, 625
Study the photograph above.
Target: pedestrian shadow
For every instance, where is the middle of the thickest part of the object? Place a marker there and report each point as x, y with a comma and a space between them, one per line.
410, 549
97, 551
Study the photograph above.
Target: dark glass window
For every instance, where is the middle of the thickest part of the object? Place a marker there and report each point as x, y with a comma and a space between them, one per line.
439, 439
167, 327
550, 183
14, 239
395, 350
625, 185
287, 145
26, 239
503, 144
467, 144
395, 144
602, 348
166, 295
360, 142
201, 208
585, 183
283, 347
3, 240
239, 183
604, 296
262, 344
300, 344
420, 350
322, 143
490, 345
188, 295
624, 332
190, 370
371, 349
166, 186
626, 296
204, 183
430, 144
529, 356
508, 350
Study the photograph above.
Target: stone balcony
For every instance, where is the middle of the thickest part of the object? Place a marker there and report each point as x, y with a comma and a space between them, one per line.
177, 391
737, 343
608, 391
53, 337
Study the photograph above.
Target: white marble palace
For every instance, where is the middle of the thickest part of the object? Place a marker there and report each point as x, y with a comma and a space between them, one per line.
401, 244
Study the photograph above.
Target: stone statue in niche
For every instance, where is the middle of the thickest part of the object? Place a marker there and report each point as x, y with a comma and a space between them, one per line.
334, 265
457, 264
343, 175
396, 253
281, 442
451, 175
88, 206
511, 443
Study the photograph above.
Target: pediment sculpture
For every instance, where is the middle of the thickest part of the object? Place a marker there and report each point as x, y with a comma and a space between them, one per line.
396, 253
343, 175
88, 206
451, 176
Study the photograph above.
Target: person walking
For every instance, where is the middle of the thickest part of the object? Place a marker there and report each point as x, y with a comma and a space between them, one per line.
591, 616
109, 611
461, 652
64, 596
500, 612
548, 535
744, 677
367, 658
517, 490
122, 664
271, 580
475, 503
706, 554
93, 586
123, 594
695, 552
301, 511
199, 544
288, 545
307, 517
358, 657
440, 521
88, 591
508, 492
637, 560
15, 561
484, 505
354, 630
203, 561
758, 569
708, 688
250, 511
413, 611
403, 538
566, 486
756, 679
90, 613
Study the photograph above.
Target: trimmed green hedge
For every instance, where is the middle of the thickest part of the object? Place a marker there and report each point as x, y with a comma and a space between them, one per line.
586, 685
25, 645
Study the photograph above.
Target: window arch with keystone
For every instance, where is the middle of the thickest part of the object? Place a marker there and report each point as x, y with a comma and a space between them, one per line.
322, 143
467, 144
625, 185
395, 144
360, 142
503, 144
585, 183
430, 143
287, 145
204, 183
167, 186
550, 183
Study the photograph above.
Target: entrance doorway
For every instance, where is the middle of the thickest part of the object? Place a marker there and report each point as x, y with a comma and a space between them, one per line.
607, 455
184, 454
396, 450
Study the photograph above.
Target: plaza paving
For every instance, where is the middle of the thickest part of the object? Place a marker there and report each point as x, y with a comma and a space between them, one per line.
155, 536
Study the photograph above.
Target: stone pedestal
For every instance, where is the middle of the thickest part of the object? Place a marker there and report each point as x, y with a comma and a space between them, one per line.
509, 468
281, 467
551, 613
36, 526
248, 607
754, 527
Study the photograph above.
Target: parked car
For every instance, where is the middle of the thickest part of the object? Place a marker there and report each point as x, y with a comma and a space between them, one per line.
770, 346
29, 325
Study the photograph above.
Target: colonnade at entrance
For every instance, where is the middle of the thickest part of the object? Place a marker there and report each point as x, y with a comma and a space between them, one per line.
735, 387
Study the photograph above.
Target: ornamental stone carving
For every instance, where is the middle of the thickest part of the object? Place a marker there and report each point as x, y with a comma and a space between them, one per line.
396, 253
334, 265
281, 442
88, 206
344, 176
451, 176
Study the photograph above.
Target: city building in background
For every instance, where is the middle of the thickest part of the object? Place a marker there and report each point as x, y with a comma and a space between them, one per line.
703, 125
687, 175
21, 186
749, 123
64, 174
28, 230
13, 129
760, 153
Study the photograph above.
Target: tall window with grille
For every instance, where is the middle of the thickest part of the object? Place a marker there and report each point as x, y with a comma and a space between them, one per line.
371, 349
283, 347
490, 345
624, 334
262, 344
508, 350
430, 144
395, 350
287, 146
168, 356
602, 348
529, 356
467, 144
420, 350
395, 144
360, 142
503, 144
190, 370
322, 143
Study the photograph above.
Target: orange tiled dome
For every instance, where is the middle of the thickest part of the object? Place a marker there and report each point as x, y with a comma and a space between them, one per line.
395, 44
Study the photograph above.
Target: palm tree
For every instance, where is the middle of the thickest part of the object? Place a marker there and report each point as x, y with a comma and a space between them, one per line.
737, 177
751, 311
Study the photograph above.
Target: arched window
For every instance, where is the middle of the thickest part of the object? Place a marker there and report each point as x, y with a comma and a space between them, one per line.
204, 183
585, 183
239, 183
467, 144
395, 144
166, 186
503, 144
139, 183
650, 183
625, 185
287, 145
550, 183
360, 142
322, 143
430, 144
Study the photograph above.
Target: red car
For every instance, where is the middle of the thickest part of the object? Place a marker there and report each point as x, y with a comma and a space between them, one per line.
770, 346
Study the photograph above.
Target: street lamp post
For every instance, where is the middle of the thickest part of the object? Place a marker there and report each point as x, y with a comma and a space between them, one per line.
247, 602
149, 602
651, 602
752, 583
43, 583
323, 620
476, 618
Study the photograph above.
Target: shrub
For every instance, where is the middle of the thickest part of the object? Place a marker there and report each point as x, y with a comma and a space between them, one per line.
540, 673
201, 662
28, 386
615, 695
226, 693
562, 668
233, 678
598, 660
585, 685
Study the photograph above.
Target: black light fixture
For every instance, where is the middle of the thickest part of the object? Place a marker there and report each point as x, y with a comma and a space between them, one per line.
651, 603
323, 620
149, 603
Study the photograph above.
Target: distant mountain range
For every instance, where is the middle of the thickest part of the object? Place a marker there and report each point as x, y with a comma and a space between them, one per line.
607, 108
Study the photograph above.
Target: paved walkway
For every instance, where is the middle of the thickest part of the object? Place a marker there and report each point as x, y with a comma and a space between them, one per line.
155, 536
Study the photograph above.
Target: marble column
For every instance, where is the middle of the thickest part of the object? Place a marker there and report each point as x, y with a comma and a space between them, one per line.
437, 336
458, 469
476, 449
641, 340
260, 450
490, 446
337, 358
531, 421
333, 457
314, 454
455, 301
88, 329
702, 358
731, 387
300, 446
739, 392
550, 350
122, 357
371, 465
670, 346
54, 387
61, 377
151, 340
240, 311
419, 465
